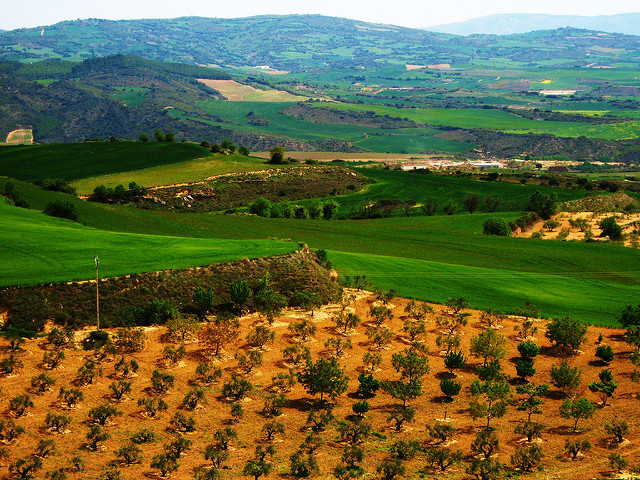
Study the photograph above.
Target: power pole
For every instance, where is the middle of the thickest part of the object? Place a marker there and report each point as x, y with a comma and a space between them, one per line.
97, 260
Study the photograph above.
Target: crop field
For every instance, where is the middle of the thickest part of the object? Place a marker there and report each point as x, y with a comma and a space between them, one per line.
41, 249
498, 120
412, 144
238, 92
411, 140
81, 160
419, 187
180, 172
554, 294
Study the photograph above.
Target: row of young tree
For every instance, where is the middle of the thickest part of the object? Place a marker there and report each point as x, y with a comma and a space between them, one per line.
318, 209
326, 379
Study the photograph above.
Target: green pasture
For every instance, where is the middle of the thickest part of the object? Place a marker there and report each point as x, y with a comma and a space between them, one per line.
419, 187
426, 257
412, 140
40, 249
72, 161
132, 96
497, 120
594, 301
397, 142
181, 172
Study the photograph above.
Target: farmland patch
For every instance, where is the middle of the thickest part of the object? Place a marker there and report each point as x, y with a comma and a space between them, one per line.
238, 92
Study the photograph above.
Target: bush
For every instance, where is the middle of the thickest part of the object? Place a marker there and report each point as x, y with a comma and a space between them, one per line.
528, 349
368, 385
62, 209
605, 353
543, 205
611, 229
95, 339
496, 226
566, 333
261, 207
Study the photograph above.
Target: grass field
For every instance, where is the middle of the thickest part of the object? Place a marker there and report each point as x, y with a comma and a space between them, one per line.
430, 258
181, 172
411, 140
419, 187
554, 294
72, 161
498, 120
41, 249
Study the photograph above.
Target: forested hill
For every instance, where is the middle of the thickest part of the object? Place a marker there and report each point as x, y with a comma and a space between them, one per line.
306, 42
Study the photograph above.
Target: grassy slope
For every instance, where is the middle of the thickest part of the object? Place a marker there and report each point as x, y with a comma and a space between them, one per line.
419, 187
38, 249
80, 160
182, 172
413, 140
595, 301
426, 257
498, 120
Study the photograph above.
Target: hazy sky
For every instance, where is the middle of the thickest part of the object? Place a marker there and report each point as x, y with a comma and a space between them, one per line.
410, 13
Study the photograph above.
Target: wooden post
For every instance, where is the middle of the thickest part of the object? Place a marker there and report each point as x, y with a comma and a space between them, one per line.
97, 260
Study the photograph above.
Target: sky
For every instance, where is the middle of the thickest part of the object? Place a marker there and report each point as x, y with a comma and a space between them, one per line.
408, 13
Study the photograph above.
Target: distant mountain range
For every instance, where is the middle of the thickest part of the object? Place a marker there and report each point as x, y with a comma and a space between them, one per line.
309, 43
510, 23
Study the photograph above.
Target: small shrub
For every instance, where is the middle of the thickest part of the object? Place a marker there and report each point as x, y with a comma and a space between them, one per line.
405, 449
182, 423
496, 226
41, 383
102, 413
144, 436
57, 423
62, 209
605, 353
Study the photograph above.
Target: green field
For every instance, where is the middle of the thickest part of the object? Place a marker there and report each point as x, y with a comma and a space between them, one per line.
431, 258
180, 172
498, 120
81, 160
419, 187
411, 140
555, 295
40, 249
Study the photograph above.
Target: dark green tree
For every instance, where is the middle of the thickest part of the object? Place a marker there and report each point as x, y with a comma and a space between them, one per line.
203, 301
325, 377
566, 334
577, 409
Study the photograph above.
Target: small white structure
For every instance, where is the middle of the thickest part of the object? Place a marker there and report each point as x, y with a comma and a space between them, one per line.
413, 167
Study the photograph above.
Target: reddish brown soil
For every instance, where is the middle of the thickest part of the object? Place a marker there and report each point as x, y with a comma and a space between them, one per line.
216, 412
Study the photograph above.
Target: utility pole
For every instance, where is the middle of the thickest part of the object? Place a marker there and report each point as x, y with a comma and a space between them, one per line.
97, 260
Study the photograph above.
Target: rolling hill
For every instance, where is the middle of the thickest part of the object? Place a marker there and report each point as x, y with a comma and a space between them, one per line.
299, 43
509, 23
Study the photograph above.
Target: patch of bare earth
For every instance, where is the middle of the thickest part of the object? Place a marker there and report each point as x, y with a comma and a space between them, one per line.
580, 226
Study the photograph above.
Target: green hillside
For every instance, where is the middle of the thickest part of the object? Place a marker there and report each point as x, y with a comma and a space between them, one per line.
40, 249
425, 257
299, 42
91, 159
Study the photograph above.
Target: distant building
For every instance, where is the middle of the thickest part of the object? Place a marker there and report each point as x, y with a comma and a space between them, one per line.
558, 169
484, 165
558, 92
413, 167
